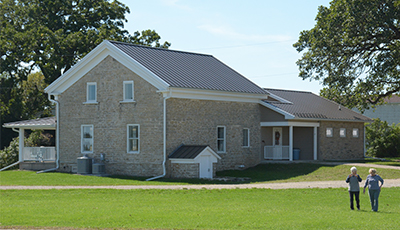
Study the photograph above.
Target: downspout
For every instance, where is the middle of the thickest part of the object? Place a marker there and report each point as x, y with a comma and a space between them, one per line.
57, 134
19, 156
164, 137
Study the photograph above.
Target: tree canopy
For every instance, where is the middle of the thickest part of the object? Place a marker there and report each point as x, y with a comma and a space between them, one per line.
354, 50
50, 36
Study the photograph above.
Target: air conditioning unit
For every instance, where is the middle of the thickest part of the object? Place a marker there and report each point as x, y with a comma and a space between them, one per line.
84, 165
98, 168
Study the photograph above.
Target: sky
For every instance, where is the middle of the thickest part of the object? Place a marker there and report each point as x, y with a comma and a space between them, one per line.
254, 37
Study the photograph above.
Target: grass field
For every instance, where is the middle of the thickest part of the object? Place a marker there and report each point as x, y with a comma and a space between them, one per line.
197, 209
259, 174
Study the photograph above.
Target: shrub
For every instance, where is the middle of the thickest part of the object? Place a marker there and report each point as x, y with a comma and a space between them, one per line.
383, 140
9, 155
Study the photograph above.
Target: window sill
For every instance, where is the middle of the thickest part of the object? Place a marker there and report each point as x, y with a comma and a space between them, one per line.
90, 103
246, 147
130, 101
133, 152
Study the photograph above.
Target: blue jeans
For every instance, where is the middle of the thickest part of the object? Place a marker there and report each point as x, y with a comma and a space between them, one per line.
373, 197
357, 195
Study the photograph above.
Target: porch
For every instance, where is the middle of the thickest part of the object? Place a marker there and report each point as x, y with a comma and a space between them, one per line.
281, 139
34, 158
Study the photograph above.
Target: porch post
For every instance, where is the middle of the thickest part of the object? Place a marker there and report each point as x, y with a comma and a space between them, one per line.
291, 143
21, 144
315, 144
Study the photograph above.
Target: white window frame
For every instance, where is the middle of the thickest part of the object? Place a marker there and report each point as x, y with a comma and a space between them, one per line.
88, 84
246, 130
124, 92
357, 133
329, 132
128, 138
221, 139
342, 132
83, 139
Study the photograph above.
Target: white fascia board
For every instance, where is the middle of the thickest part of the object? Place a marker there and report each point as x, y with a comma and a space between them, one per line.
46, 127
215, 95
93, 58
278, 110
210, 152
182, 161
289, 123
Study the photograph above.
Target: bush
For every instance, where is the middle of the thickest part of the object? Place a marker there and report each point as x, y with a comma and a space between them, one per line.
9, 155
383, 140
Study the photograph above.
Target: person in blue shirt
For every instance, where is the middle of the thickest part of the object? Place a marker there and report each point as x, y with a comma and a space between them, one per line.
374, 188
354, 188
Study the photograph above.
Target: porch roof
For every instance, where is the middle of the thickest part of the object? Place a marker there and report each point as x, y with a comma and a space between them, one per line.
40, 123
306, 105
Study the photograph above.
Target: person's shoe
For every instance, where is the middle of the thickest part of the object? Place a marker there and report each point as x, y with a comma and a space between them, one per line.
358, 209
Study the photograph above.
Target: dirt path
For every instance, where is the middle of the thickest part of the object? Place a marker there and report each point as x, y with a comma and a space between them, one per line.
361, 165
288, 185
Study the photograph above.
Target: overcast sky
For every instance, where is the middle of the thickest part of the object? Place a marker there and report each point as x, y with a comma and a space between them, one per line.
254, 37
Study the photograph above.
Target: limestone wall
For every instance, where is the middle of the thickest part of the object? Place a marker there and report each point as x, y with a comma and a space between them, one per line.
110, 119
337, 147
194, 122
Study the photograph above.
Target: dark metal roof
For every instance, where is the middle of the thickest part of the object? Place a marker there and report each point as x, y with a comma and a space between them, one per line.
306, 105
40, 122
189, 70
187, 151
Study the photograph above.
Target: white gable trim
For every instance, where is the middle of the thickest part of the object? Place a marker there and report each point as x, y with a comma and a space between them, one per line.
94, 58
280, 99
278, 110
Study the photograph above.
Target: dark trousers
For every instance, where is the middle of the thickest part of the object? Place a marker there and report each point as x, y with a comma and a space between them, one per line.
357, 195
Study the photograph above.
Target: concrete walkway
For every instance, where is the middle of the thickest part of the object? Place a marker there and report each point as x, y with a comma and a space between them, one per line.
288, 185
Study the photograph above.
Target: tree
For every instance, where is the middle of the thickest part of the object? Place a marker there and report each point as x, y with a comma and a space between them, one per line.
354, 50
53, 35
383, 140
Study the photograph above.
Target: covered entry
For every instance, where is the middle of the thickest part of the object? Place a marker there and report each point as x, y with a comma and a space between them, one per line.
280, 138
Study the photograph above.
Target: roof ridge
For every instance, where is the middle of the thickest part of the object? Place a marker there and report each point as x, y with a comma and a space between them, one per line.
159, 48
290, 90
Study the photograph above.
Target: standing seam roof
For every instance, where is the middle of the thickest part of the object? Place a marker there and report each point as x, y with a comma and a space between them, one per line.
308, 105
189, 70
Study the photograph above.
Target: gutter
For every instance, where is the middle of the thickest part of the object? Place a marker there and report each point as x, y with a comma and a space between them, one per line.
55, 101
164, 137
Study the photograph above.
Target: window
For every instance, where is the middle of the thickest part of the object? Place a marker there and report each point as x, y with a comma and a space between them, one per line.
87, 139
329, 132
246, 138
128, 91
91, 92
221, 140
133, 138
355, 132
342, 132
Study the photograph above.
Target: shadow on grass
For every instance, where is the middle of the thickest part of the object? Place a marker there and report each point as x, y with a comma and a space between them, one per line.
259, 173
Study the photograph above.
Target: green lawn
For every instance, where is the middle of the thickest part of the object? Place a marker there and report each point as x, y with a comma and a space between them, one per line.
259, 174
197, 209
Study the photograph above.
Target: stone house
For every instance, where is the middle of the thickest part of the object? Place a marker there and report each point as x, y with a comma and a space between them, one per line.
389, 111
155, 112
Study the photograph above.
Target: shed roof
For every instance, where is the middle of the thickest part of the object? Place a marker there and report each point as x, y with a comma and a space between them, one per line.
306, 105
187, 151
40, 123
189, 70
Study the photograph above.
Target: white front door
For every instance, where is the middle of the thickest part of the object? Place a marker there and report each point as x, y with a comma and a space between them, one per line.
205, 167
277, 143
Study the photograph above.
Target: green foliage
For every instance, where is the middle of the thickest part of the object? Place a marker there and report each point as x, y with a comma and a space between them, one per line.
9, 155
383, 140
196, 209
354, 50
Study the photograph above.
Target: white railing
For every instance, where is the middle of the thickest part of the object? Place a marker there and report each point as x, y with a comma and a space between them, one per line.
39, 154
276, 152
